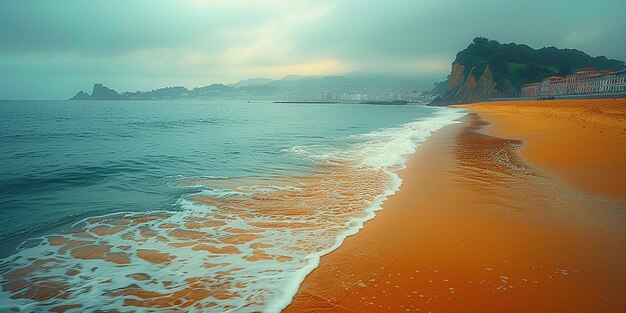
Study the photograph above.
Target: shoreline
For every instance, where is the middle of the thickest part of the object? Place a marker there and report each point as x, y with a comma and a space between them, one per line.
270, 231
492, 231
578, 141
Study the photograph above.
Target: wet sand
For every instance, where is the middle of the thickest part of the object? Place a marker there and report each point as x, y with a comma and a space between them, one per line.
482, 226
581, 141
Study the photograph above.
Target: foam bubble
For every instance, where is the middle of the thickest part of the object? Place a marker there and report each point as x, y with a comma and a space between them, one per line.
240, 244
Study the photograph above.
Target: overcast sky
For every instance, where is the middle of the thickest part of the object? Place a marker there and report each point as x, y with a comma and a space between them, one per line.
51, 49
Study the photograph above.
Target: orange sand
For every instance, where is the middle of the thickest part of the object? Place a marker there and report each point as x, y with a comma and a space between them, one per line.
582, 141
475, 229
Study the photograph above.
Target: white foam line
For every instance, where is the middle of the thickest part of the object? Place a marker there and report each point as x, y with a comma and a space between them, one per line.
384, 149
376, 205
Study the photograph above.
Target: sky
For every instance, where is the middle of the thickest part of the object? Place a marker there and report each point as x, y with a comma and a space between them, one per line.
52, 49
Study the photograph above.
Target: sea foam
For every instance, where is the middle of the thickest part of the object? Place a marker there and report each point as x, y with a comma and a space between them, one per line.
240, 245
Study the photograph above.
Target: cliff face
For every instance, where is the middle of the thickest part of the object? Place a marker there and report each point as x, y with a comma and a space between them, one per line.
487, 69
464, 87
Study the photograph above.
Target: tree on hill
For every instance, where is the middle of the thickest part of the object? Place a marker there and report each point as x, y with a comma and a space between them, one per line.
522, 64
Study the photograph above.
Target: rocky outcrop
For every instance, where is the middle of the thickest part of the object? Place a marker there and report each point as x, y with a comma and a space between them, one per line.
464, 87
99, 92
81, 95
487, 69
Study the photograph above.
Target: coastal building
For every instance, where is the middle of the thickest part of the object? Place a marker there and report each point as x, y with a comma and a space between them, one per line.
585, 81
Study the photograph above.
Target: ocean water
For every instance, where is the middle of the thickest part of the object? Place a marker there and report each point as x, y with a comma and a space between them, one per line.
208, 206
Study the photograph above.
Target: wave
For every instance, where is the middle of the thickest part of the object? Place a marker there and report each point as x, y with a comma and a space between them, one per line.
240, 244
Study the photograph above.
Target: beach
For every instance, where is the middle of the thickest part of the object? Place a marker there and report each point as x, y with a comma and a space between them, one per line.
492, 207
519, 208
246, 217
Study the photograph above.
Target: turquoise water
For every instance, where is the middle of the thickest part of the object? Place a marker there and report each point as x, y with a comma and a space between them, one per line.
65, 162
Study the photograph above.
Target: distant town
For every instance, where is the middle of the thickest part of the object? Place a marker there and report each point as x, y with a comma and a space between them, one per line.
349, 88
585, 81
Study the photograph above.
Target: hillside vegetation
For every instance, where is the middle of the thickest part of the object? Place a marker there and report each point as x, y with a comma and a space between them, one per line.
521, 64
487, 69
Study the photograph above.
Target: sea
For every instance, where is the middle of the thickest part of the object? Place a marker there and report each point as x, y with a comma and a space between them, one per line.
196, 206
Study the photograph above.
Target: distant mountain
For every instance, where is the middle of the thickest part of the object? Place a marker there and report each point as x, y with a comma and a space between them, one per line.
488, 69
161, 93
99, 92
333, 87
81, 95
289, 88
292, 77
251, 82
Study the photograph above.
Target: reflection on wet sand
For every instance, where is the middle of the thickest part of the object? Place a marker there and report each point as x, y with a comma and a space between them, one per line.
475, 228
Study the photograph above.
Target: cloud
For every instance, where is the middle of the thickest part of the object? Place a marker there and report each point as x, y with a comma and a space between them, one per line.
434, 65
314, 67
146, 44
579, 38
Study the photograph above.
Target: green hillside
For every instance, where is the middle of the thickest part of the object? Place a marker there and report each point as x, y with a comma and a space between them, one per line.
521, 64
